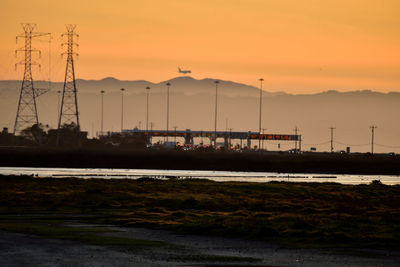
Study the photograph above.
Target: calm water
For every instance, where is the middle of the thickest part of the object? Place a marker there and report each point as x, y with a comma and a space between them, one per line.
212, 175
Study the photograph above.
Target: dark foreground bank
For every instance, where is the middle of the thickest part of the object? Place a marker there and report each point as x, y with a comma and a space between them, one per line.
316, 215
184, 160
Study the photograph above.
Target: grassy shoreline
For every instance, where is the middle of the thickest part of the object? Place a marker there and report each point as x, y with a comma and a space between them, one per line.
308, 215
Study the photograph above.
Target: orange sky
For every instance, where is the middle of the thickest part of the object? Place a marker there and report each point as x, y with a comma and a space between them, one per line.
297, 46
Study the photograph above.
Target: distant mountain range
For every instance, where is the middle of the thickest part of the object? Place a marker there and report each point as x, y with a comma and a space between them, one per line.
192, 107
185, 84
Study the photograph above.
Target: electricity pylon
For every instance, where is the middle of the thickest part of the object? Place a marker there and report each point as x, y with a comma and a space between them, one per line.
27, 114
69, 104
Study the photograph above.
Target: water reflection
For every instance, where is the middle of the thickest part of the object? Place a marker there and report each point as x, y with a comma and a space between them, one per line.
212, 175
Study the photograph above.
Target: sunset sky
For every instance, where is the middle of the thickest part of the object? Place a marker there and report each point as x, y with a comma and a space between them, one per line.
296, 46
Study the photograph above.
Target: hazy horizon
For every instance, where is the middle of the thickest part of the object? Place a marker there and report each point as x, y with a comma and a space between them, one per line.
192, 107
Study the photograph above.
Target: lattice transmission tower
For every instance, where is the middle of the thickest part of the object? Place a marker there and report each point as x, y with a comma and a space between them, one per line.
27, 114
69, 104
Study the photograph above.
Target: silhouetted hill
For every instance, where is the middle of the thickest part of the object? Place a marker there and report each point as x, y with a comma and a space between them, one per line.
185, 84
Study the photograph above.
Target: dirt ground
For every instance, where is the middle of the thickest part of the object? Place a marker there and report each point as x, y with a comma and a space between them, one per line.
18, 249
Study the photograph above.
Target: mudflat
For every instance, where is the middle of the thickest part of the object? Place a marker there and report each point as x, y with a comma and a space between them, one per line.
165, 248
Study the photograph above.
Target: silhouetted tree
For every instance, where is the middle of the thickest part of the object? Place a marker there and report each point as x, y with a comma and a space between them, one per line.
69, 135
36, 133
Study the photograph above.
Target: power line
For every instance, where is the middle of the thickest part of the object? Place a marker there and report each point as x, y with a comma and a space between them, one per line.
387, 146
352, 144
317, 144
345, 144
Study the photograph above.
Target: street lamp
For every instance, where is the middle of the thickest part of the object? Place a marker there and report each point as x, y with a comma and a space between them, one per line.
262, 143
147, 108
168, 85
102, 110
259, 121
122, 108
215, 119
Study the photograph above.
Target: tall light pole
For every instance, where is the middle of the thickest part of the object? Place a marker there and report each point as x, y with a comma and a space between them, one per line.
332, 128
168, 85
216, 110
372, 136
262, 143
259, 121
147, 108
102, 110
122, 108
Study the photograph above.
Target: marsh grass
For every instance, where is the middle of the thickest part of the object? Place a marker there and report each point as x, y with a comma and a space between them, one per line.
293, 214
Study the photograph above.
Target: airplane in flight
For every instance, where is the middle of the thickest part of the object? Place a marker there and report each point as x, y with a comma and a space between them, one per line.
184, 71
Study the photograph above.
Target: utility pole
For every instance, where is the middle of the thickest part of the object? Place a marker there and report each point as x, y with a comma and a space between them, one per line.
332, 128
102, 110
259, 121
147, 108
69, 103
27, 114
122, 108
216, 110
230, 138
299, 143
168, 85
372, 137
